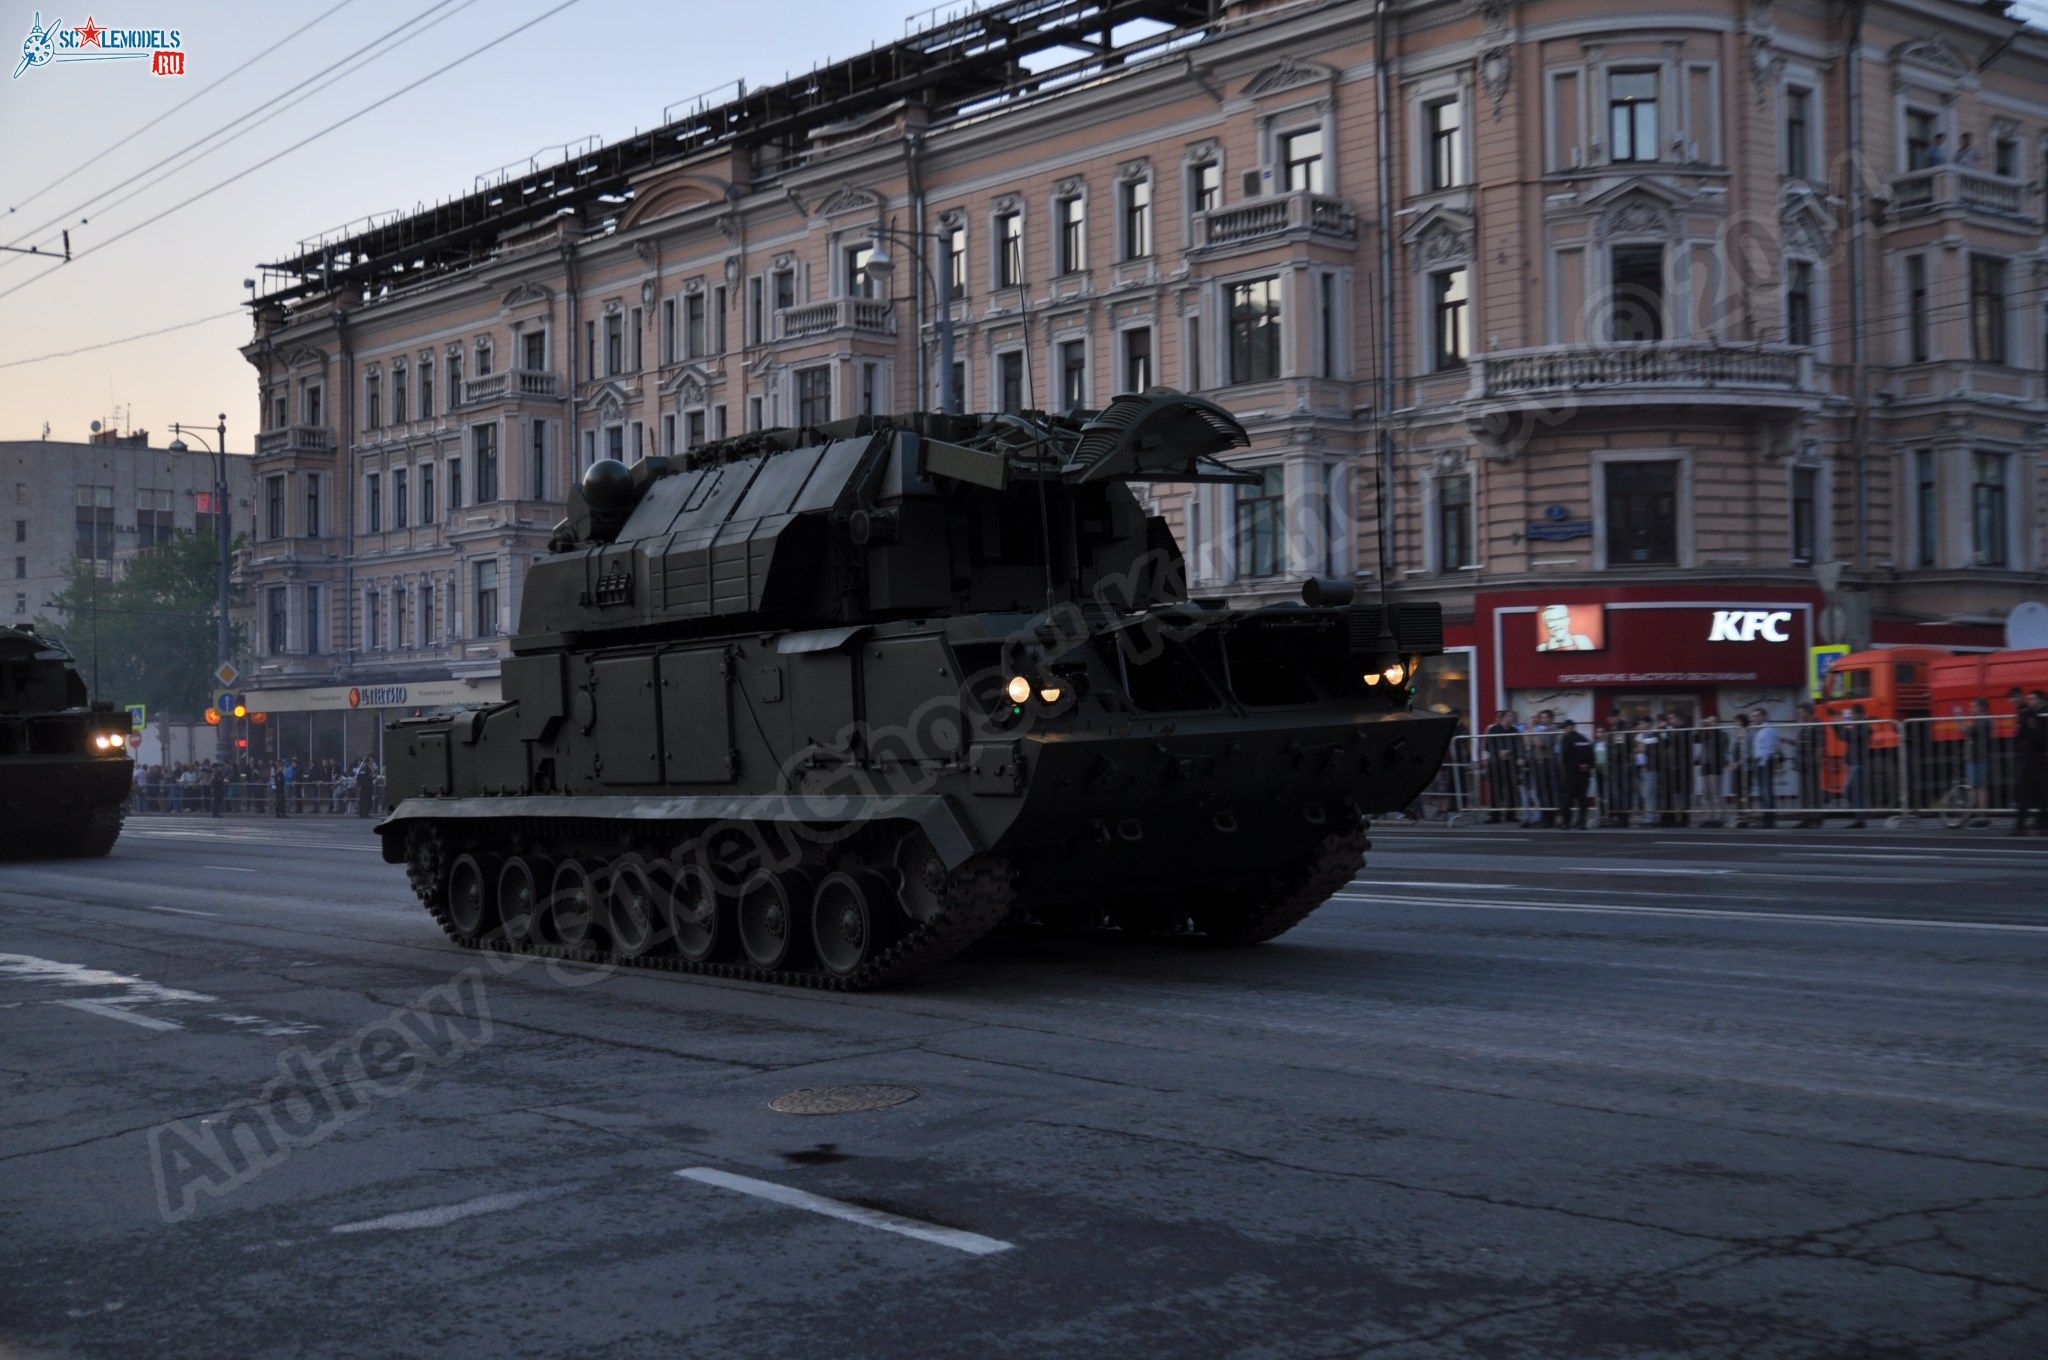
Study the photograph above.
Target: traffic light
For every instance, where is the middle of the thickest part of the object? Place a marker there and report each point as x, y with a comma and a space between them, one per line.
241, 709
213, 717
259, 717
241, 743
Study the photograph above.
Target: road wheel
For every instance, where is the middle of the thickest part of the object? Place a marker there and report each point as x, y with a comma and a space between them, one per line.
95, 836
921, 876
472, 893
695, 916
523, 886
574, 907
774, 918
852, 919
630, 922
1258, 913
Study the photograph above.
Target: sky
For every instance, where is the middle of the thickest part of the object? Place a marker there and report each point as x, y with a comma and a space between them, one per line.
597, 67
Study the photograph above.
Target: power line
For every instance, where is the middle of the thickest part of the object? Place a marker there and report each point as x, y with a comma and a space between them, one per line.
300, 92
303, 142
126, 339
177, 108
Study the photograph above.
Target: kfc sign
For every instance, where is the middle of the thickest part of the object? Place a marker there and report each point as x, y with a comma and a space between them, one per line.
1750, 625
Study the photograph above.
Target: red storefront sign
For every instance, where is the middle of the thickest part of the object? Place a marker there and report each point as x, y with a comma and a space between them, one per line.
1645, 638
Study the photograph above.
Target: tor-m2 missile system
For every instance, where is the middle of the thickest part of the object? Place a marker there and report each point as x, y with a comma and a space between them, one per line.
66, 765
825, 705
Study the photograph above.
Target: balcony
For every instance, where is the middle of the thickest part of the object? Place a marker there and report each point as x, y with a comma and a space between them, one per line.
293, 439
1950, 186
511, 384
1561, 379
1262, 221
856, 315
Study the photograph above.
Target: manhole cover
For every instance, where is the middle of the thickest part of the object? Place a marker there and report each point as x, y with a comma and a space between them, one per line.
840, 1099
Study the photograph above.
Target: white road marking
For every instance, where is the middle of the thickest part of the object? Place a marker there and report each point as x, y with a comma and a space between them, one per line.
113, 1012
177, 911
29, 968
972, 1243
230, 868
444, 1214
1688, 873
1615, 909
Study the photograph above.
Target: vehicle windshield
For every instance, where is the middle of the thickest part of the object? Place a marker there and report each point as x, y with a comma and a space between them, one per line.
1853, 684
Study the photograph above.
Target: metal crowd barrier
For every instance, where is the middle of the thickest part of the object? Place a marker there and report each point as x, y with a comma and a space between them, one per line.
1725, 774
255, 797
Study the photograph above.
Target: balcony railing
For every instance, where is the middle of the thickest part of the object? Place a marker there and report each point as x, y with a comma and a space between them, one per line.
1688, 367
1943, 186
513, 383
862, 316
296, 439
1287, 214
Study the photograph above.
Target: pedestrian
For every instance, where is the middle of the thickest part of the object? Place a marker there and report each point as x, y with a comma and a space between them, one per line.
1710, 758
277, 790
1647, 765
1545, 781
1937, 153
1674, 772
1856, 756
1807, 743
1764, 756
365, 785
1977, 760
217, 787
1968, 157
2030, 750
1500, 745
1576, 754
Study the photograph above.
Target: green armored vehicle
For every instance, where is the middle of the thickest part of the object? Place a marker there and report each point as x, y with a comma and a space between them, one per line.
825, 705
65, 763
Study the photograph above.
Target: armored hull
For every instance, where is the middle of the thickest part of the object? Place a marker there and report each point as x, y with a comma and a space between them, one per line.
65, 767
825, 706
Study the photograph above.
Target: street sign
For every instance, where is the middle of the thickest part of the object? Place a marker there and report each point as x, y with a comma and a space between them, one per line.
138, 716
227, 674
225, 701
1818, 662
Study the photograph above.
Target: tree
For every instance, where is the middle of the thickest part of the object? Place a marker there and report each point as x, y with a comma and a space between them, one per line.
150, 632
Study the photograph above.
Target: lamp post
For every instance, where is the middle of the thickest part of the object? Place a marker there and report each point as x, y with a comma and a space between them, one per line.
880, 267
219, 449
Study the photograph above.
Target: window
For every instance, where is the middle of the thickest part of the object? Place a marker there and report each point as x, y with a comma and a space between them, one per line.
153, 521
313, 403
694, 329
668, 434
615, 443
1987, 309
483, 358
427, 506
1916, 308
1805, 515
718, 421
668, 330
373, 402
956, 260
1454, 522
872, 399
373, 503
589, 349
314, 640
1191, 359
1073, 357
427, 388
813, 395
483, 448
854, 269
428, 636
614, 343
2005, 156
398, 395
1638, 293
274, 619
1632, 116
273, 507
718, 320
1450, 319
21, 531
1798, 302
401, 502
373, 621
537, 460
279, 415
486, 599
1642, 514
693, 429
1137, 219
1920, 126
20, 568
1301, 161
455, 393
1254, 311
1071, 217
1137, 359
1009, 249
636, 338
1326, 325
454, 484
535, 345
1261, 517
1445, 121
1205, 187
1798, 132
1010, 381
785, 289
398, 635
1988, 511
756, 319
312, 505
21, 601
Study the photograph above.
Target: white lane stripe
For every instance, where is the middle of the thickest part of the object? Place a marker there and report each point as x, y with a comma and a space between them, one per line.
443, 1214
1689, 873
113, 1012
176, 911
1618, 910
230, 868
972, 1243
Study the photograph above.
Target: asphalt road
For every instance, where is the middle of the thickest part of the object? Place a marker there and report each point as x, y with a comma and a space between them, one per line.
1517, 1093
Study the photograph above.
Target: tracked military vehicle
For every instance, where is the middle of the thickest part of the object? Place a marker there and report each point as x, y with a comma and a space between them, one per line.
66, 766
825, 705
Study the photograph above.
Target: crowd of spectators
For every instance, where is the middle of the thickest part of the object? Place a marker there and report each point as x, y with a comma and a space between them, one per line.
281, 788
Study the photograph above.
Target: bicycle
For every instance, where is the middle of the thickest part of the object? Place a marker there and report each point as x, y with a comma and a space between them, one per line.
1958, 805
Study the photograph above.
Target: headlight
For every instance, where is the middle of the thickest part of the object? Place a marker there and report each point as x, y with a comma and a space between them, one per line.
117, 739
1395, 673
1019, 689
1372, 678
1050, 694
99, 739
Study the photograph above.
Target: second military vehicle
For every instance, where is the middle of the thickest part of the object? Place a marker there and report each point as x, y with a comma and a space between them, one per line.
824, 705
65, 762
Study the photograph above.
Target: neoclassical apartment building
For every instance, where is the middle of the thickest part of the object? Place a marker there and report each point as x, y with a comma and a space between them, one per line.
1648, 311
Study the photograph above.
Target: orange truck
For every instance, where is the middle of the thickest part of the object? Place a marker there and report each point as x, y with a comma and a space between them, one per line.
1901, 683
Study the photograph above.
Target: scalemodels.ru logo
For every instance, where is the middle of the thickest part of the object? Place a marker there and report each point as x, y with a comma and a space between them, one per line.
163, 48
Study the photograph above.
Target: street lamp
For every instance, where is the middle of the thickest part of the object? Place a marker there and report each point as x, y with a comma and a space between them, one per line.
219, 449
880, 267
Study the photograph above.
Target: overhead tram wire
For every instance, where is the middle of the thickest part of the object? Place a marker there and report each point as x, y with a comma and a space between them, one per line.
124, 340
299, 93
308, 140
179, 107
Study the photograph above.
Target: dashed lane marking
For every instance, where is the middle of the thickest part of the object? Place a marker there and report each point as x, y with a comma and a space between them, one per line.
958, 1239
443, 1214
113, 1012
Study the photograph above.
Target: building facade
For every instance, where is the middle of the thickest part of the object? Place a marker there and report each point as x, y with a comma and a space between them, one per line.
98, 504
1645, 315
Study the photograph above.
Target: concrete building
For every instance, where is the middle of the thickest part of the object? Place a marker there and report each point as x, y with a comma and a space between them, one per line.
101, 503
1592, 300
